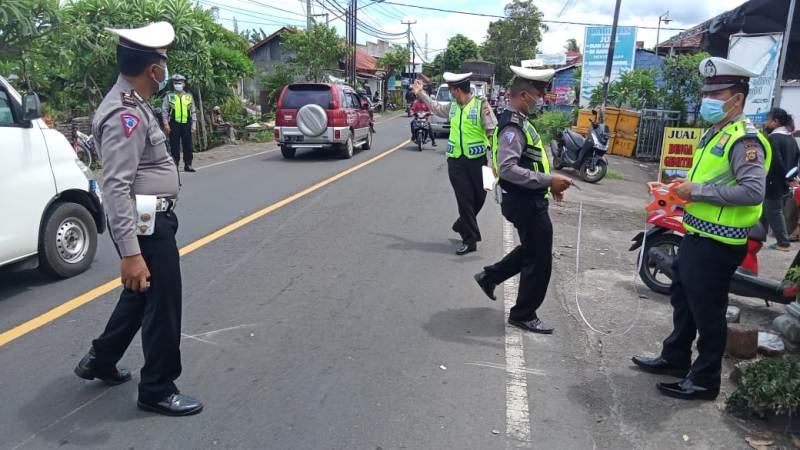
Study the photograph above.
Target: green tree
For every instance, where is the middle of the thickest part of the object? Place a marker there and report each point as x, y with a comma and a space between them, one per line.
395, 60
316, 52
435, 67
459, 49
682, 83
273, 82
515, 38
635, 89
572, 45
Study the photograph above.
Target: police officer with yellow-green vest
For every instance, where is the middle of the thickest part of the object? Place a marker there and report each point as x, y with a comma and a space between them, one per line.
725, 189
523, 174
180, 121
472, 122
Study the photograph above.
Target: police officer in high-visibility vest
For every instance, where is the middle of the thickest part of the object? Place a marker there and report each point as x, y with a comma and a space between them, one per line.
523, 174
472, 122
725, 190
180, 122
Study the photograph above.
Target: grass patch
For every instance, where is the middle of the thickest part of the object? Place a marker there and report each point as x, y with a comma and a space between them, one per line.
611, 175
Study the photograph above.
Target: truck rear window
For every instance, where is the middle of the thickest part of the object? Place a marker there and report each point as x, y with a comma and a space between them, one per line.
305, 94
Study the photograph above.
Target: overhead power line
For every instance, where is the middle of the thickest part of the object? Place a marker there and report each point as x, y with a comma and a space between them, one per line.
294, 13
495, 16
249, 13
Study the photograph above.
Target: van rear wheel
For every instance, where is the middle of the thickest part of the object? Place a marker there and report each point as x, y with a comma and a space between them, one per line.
68, 240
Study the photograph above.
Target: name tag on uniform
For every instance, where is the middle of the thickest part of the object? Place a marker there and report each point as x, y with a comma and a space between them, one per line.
719, 149
146, 214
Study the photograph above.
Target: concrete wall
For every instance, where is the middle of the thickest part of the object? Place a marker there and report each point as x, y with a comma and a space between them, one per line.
265, 59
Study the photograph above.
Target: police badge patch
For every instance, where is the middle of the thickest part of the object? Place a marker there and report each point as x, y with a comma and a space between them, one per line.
510, 136
129, 123
751, 148
710, 70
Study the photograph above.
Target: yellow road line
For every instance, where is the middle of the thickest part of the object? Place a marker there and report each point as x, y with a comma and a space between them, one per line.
75, 303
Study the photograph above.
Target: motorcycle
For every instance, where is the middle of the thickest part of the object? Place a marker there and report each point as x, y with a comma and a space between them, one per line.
661, 244
570, 149
85, 148
422, 128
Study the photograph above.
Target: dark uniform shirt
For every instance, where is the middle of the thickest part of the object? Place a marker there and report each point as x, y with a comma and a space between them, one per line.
135, 160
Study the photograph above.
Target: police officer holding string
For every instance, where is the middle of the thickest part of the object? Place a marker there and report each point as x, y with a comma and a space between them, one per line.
140, 189
725, 189
523, 174
472, 123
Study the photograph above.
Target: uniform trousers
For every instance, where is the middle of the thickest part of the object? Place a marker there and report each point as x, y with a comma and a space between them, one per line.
157, 311
532, 259
180, 136
466, 176
699, 297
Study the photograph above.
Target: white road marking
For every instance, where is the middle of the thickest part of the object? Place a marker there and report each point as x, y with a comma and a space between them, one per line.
518, 421
209, 333
502, 367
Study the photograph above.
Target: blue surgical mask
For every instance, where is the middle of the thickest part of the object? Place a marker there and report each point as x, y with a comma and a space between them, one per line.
163, 83
179, 87
712, 110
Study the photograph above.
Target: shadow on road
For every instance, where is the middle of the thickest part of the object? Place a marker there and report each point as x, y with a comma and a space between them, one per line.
471, 326
404, 243
14, 283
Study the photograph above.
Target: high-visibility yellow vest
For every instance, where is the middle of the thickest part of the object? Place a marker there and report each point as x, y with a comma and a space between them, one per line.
180, 106
711, 165
467, 136
534, 157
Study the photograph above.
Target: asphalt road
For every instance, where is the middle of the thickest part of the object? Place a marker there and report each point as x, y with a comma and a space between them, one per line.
343, 320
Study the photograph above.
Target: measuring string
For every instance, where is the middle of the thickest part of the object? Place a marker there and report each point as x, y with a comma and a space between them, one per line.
637, 315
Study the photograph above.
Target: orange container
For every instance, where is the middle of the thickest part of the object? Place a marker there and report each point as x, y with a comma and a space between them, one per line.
622, 146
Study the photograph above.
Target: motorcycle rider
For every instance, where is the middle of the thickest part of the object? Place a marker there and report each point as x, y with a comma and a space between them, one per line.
725, 189
420, 106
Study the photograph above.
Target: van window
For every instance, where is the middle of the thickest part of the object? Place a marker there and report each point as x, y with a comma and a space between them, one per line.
6, 113
300, 95
443, 95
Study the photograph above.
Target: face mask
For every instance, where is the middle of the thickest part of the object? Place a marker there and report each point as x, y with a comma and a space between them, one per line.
179, 87
712, 110
163, 83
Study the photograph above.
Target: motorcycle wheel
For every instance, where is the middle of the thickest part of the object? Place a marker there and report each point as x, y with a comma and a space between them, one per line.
557, 164
593, 176
652, 277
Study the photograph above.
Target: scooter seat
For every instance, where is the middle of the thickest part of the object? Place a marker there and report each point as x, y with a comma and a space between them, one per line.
572, 140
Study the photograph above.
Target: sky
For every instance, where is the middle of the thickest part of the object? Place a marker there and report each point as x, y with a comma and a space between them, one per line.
269, 15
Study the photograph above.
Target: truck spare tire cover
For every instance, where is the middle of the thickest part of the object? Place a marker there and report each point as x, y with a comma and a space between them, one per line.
312, 120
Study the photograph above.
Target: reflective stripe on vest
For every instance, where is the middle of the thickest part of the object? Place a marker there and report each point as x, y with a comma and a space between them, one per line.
711, 165
180, 107
534, 156
467, 136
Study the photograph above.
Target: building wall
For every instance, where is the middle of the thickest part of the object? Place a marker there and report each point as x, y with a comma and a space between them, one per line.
265, 59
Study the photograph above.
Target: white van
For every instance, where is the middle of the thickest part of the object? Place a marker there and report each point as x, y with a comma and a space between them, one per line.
441, 125
50, 203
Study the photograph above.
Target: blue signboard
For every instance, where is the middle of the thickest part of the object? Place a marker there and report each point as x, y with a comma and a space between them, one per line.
595, 44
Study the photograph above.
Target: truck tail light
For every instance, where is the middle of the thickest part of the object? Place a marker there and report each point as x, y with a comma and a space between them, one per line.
337, 134
277, 133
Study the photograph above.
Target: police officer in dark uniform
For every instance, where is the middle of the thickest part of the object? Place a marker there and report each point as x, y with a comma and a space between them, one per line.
523, 174
140, 191
725, 189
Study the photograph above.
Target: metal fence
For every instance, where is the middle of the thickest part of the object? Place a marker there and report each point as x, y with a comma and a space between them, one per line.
651, 131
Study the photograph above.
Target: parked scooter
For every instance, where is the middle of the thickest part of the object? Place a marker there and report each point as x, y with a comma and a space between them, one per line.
570, 149
422, 128
661, 248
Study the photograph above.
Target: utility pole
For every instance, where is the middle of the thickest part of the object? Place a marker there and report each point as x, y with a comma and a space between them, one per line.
408, 37
354, 34
609, 62
786, 34
309, 16
426, 47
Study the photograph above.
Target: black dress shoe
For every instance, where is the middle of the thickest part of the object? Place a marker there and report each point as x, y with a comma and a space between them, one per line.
174, 405
534, 326
463, 249
86, 369
660, 366
188, 169
434, 144
687, 390
486, 285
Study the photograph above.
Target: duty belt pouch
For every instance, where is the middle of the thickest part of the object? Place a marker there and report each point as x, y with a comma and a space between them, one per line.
146, 214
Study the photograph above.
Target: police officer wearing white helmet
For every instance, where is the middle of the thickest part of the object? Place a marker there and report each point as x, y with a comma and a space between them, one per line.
140, 189
725, 189
523, 173
180, 121
472, 123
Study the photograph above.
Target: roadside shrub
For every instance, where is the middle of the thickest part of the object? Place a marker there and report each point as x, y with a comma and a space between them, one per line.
550, 124
768, 385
